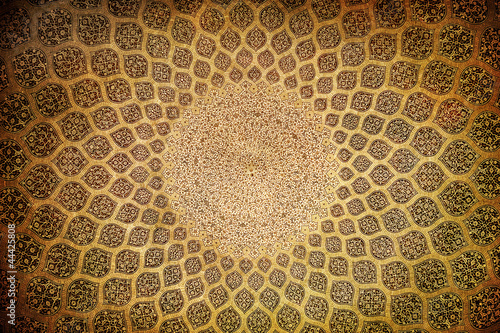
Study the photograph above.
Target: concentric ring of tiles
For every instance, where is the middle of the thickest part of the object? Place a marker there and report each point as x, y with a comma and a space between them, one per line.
258, 166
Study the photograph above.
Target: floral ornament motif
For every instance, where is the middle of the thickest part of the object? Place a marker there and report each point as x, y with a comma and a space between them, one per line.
301, 24
42, 140
342, 292
14, 28
219, 296
371, 302
484, 307
47, 222
124, 8
143, 316
82, 295
112, 235
174, 325
189, 7
457, 198
404, 75
54, 27
438, 77
43, 296
71, 323
484, 225
259, 320
456, 42
271, 17
418, 107
424, 211
102, 207
403, 160
136, 65
373, 76
476, 85
447, 238
228, 320
413, 245
459, 157
128, 36
365, 272
105, 62
430, 275
148, 284
401, 190
62, 260
96, 262
383, 47
445, 311
417, 43
388, 102
172, 301
452, 116
156, 15
15, 112
98, 147
488, 52
382, 247
487, 178
81, 230
12, 160
30, 67
306, 50
395, 275
75, 126
52, 100
328, 36
429, 176
212, 20
356, 23
326, 10
469, 269
73, 196
70, 161
41, 181
428, 11
390, 14
206, 45
105, 320
183, 30
28, 253
406, 309
344, 321
94, 29
288, 318
87, 93
427, 141
292, 4
485, 131
118, 90
14, 206
472, 11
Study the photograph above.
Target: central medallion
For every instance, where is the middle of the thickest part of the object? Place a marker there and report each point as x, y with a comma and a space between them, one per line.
251, 169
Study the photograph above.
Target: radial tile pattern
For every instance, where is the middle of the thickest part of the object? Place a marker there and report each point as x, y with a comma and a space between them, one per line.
251, 165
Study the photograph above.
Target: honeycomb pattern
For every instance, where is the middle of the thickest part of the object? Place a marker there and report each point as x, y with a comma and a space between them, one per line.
251, 166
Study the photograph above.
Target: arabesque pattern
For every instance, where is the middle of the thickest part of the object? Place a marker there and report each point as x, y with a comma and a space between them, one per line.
251, 166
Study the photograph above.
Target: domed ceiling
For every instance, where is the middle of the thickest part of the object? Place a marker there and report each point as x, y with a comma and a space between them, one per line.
251, 166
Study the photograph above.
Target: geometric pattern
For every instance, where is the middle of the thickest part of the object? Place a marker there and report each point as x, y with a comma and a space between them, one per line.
251, 166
